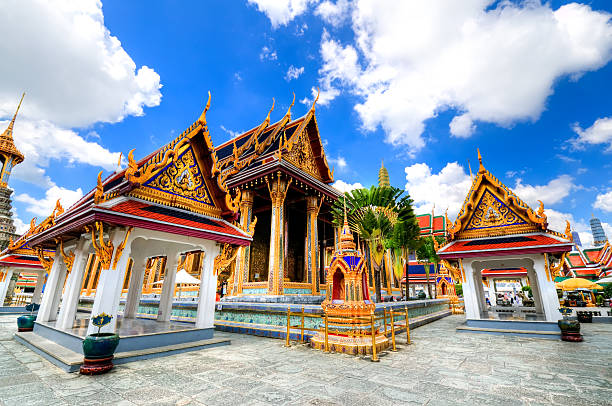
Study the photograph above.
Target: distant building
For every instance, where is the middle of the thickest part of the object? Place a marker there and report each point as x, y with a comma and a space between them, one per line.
576, 238
599, 236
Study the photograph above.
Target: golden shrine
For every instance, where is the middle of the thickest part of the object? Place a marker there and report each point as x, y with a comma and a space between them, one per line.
347, 303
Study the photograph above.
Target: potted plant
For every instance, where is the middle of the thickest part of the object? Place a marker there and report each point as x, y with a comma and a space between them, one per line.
570, 329
26, 322
99, 348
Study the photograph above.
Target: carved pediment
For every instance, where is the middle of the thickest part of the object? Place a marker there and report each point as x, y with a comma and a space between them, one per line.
492, 212
300, 154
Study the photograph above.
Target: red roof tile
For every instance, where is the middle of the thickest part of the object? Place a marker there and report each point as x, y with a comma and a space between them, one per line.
502, 243
174, 216
20, 260
576, 260
438, 223
592, 255
424, 221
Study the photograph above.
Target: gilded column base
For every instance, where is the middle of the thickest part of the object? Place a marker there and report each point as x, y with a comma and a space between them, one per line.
349, 345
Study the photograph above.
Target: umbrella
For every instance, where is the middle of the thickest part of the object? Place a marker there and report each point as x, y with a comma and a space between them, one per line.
182, 278
577, 283
607, 279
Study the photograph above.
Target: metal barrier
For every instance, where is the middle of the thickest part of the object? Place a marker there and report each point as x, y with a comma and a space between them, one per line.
368, 326
21, 299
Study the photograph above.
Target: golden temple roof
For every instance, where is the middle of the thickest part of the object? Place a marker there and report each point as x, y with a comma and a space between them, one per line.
6, 139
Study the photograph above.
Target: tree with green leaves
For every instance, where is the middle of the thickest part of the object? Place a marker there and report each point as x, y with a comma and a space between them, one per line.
383, 218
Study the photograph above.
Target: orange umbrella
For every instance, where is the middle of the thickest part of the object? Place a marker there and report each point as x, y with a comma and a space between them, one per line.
577, 283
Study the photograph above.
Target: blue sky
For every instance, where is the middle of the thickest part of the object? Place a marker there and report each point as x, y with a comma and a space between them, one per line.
420, 84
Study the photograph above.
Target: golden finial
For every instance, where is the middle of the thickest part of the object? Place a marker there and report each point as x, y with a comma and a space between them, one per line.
541, 208
119, 161
568, 231
481, 168
288, 114
99, 193
58, 208
315, 100
470, 168
202, 119
267, 120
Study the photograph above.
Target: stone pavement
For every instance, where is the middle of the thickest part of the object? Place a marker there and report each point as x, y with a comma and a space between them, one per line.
441, 367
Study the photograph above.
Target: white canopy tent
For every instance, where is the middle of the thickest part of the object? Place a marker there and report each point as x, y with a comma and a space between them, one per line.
182, 278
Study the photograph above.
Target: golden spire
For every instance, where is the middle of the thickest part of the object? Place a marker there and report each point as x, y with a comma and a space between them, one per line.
481, 168
6, 138
346, 237
383, 176
315, 100
288, 114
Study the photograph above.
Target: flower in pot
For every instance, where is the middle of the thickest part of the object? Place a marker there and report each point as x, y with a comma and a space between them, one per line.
570, 329
99, 348
26, 322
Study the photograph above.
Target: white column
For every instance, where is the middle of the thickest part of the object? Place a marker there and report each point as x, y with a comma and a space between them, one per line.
167, 295
110, 283
208, 290
4, 286
548, 292
135, 287
470, 295
47, 311
72, 292
40, 281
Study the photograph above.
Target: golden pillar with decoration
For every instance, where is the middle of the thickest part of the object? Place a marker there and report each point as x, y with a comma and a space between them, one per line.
313, 205
278, 191
241, 272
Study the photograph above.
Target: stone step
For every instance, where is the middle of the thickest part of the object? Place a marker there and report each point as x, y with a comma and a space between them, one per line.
71, 361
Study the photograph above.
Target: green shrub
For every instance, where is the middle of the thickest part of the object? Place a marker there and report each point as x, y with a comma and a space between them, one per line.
459, 289
421, 295
607, 292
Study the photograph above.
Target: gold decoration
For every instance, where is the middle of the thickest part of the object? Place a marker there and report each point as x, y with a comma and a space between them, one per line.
68, 258
568, 231
121, 247
44, 261
99, 193
299, 153
225, 258
491, 212
184, 178
104, 251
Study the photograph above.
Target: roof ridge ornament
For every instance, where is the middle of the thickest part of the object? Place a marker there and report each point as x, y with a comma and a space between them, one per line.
315, 100
202, 119
481, 167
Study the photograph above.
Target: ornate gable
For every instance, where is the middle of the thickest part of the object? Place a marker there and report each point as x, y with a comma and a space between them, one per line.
183, 177
300, 154
492, 209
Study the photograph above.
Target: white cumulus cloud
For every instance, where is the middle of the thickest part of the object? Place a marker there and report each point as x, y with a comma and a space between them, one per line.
281, 12
334, 13
293, 73
494, 61
344, 187
553, 192
599, 133
446, 189
603, 201
43, 207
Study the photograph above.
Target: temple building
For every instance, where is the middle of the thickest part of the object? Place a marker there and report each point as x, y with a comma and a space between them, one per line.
170, 205
590, 263
496, 233
284, 181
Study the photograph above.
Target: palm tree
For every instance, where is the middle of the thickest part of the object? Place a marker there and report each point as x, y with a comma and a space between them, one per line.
383, 218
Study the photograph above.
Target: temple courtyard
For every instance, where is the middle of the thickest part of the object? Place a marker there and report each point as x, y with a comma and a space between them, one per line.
441, 367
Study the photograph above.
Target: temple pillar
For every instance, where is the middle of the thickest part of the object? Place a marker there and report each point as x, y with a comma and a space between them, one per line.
278, 191
110, 283
166, 298
135, 287
470, 297
546, 289
55, 283
40, 282
72, 291
205, 317
241, 272
312, 243
8, 274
